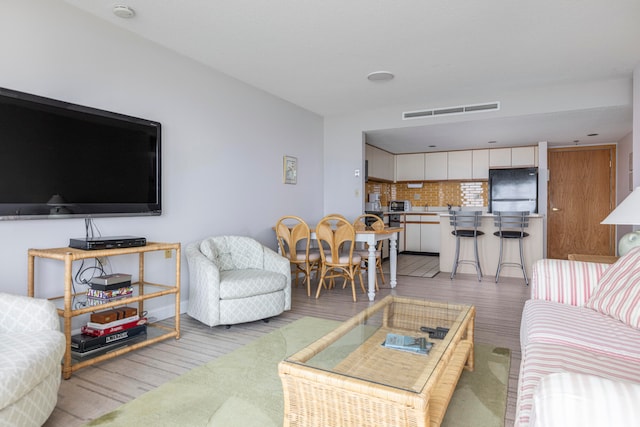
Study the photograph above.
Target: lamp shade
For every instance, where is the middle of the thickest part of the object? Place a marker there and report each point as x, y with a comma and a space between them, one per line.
627, 212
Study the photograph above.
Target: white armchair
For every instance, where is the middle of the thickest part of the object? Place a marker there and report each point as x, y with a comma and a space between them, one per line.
234, 279
31, 350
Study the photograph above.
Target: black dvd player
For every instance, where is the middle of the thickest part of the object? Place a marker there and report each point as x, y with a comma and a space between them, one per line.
109, 242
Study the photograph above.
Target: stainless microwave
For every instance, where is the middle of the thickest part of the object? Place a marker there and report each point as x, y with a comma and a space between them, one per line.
399, 206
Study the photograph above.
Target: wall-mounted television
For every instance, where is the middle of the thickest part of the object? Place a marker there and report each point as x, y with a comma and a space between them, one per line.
63, 160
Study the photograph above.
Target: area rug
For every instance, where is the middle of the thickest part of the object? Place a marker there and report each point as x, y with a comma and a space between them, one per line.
243, 389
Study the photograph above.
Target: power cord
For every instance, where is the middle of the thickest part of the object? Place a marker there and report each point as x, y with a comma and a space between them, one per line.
91, 229
84, 274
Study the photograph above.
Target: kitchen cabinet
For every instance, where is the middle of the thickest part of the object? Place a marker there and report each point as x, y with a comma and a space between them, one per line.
523, 156
435, 166
430, 234
401, 218
401, 239
460, 164
386, 242
410, 167
480, 164
387, 165
422, 233
412, 238
500, 157
381, 163
514, 157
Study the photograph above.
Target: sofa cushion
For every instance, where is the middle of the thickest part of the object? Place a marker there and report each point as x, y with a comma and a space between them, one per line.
250, 282
233, 252
579, 327
221, 258
618, 291
26, 359
568, 282
575, 400
542, 359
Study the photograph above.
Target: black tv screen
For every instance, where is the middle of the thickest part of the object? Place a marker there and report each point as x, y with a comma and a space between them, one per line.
61, 160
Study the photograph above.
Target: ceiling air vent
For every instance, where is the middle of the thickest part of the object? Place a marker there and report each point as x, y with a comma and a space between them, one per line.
464, 109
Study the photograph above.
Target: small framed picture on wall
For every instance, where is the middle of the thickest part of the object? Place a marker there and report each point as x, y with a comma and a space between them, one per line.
290, 170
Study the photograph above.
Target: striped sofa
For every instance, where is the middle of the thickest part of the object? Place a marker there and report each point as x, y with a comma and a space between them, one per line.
577, 362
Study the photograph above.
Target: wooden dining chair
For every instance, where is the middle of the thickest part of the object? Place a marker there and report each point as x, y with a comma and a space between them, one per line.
294, 238
336, 237
375, 223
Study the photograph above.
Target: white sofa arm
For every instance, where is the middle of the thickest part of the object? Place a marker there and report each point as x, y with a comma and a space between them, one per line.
578, 400
20, 313
563, 281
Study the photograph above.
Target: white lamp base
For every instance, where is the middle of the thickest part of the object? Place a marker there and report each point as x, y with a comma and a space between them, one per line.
628, 241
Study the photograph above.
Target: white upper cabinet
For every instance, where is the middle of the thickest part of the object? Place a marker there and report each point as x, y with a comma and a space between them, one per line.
513, 157
435, 166
480, 168
381, 163
500, 157
388, 165
460, 164
410, 167
523, 156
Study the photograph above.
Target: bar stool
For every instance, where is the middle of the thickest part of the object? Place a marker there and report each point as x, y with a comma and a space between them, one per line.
465, 224
511, 225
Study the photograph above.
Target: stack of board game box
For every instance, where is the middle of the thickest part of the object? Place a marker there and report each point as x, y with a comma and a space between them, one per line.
108, 330
108, 287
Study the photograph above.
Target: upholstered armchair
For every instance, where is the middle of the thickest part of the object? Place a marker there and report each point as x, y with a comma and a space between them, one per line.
235, 279
31, 350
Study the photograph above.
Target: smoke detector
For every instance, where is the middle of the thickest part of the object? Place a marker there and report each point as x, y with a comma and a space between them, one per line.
122, 11
380, 76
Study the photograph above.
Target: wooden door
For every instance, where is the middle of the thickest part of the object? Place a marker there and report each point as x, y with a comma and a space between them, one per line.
581, 193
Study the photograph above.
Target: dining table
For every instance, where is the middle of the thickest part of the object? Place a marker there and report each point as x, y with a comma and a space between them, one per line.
371, 238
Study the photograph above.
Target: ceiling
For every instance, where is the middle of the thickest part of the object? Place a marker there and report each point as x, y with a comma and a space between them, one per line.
317, 54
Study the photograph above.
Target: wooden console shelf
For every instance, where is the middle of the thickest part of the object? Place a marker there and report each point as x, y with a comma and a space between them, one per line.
145, 291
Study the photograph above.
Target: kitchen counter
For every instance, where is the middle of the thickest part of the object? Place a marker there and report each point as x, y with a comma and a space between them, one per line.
430, 232
445, 212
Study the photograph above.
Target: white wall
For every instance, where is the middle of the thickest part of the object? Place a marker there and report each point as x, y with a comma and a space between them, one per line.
636, 127
635, 150
623, 151
223, 141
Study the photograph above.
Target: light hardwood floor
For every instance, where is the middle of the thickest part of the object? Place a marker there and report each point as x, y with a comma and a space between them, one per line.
99, 389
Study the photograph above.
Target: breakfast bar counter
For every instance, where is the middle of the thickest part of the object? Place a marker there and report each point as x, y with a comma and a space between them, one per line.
489, 248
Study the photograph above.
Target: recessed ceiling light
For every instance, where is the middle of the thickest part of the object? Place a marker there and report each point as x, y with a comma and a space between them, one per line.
380, 76
122, 11
593, 134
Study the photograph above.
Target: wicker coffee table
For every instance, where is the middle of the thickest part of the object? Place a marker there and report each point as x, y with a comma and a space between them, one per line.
348, 378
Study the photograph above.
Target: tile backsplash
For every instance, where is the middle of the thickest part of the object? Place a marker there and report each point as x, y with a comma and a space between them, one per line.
441, 193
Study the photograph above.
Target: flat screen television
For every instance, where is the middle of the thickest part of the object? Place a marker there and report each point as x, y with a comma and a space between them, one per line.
62, 160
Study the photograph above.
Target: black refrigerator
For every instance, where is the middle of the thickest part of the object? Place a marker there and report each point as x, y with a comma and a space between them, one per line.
513, 190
